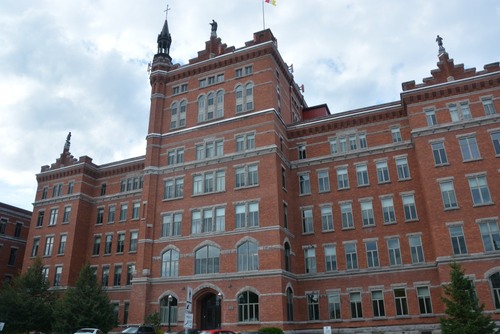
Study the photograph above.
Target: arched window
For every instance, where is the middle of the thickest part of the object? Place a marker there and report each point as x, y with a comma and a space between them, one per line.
248, 256
244, 97
207, 260
289, 304
211, 106
248, 307
174, 113
182, 114
167, 307
170, 263
495, 288
287, 256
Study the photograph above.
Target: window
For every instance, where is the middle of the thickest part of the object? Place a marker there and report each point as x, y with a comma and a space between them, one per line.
97, 245
130, 273
131, 183
247, 214
448, 194
457, 240
248, 256
103, 189
424, 300
400, 302
117, 278
203, 221
39, 220
175, 156
362, 140
248, 307
171, 224
247, 70
3, 225
71, 187
313, 305
403, 169
439, 153
430, 116
396, 135
211, 106
409, 207
388, 210
134, 236
495, 288
57, 190
49, 244
310, 258
416, 249
469, 148
66, 214
323, 181
108, 243
346, 215
244, 97
12, 256
367, 213
307, 220
304, 184
362, 175
247, 176
495, 138
301, 149
178, 114
173, 188
490, 235
111, 213
120, 243
382, 171
283, 177
45, 190
53, 216
489, 107
330, 258
326, 218
342, 178
105, 276
62, 244
394, 252
170, 263
378, 303
57, 276
123, 212
287, 254
351, 256
459, 112
136, 207
210, 149
180, 89
372, 254
285, 215
334, 305
350, 143
479, 190
333, 146
356, 306
209, 182
17, 231
207, 260
245, 142
168, 310
35, 247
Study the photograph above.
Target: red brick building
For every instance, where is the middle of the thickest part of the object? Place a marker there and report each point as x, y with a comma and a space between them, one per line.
268, 212
14, 226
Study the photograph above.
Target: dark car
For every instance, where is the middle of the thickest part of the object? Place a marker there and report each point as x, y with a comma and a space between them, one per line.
189, 331
139, 330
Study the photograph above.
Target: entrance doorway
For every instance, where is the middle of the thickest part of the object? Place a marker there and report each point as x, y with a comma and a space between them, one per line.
210, 311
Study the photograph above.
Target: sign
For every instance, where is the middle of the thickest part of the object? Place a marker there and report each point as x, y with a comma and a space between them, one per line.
188, 320
189, 301
327, 330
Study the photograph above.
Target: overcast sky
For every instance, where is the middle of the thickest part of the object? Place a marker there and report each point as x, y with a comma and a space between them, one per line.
81, 66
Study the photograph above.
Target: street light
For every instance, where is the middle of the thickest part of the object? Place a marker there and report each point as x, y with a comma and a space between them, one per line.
219, 310
169, 309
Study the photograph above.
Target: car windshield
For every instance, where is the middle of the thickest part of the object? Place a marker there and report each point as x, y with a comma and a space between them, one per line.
86, 330
130, 330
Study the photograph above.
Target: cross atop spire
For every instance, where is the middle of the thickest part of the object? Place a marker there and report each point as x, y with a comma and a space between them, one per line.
166, 11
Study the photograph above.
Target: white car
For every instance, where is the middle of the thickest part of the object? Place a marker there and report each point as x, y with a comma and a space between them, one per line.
89, 331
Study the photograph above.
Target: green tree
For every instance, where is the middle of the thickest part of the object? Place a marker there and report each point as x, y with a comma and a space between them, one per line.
26, 303
464, 314
85, 305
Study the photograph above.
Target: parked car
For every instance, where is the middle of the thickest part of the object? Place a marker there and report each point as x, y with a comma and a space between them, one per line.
143, 329
216, 331
189, 331
89, 331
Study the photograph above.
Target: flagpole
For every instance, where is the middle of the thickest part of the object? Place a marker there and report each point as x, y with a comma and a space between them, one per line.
263, 19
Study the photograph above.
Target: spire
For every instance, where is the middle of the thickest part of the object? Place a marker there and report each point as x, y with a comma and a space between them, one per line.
164, 38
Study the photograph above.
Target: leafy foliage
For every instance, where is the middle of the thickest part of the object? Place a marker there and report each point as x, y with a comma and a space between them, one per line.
271, 330
26, 304
154, 320
85, 305
464, 314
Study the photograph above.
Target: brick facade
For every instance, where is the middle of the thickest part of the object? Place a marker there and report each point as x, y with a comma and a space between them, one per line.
271, 212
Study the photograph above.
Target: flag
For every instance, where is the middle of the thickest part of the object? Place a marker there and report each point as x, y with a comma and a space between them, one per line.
272, 2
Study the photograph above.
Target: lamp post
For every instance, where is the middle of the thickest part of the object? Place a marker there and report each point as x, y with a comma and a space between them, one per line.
169, 309
219, 310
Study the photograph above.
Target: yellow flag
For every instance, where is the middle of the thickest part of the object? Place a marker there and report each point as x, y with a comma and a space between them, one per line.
272, 2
